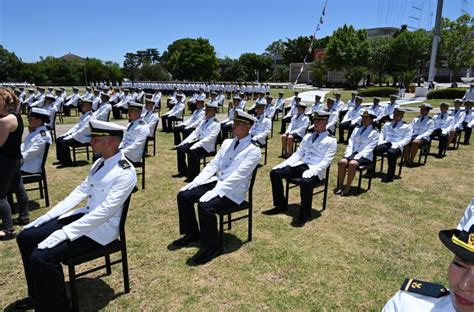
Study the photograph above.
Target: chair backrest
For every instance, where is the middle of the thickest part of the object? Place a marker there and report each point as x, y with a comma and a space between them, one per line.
45, 156
123, 217
252, 182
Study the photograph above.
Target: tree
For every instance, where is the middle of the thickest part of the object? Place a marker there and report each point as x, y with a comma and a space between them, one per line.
409, 50
254, 64
275, 48
280, 73
10, 65
296, 49
378, 60
193, 59
318, 69
231, 70
152, 72
457, 45
131, 64
348, 51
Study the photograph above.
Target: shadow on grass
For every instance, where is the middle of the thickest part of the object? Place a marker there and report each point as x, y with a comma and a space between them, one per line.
230, 244
81, 163
94, 295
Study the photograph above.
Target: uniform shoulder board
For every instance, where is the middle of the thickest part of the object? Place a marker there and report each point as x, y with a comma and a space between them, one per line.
215, 120
330, 135
424, 288
142, 122
404, 122
43, 133
124, 164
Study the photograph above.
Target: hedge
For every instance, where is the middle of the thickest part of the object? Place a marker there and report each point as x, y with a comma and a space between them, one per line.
379, 91
448, 93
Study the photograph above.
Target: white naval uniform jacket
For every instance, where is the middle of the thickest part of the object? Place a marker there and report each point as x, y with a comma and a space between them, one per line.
407, 301
72, 100
232, 169
102, 113
458, 116
38, 101
443, 122
81, 131
353, 115
398, 136
134, 140
279, 104
205, 135
269, 111
388, 110
176, 111
194, 120
151, 118
298, 125
95, 102
316, 107
363, 143
422, 129
105, 190
378, 110
333, 118
124, 101
318, 155
32, 149
338, 105
261, 129
52, 110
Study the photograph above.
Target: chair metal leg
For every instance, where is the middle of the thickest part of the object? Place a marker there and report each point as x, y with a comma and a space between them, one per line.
126, 281
360, 182
221, 229
72, 284
108, 267
250, 224
371, 173
40, 187
326, 183
46, 194
287, 191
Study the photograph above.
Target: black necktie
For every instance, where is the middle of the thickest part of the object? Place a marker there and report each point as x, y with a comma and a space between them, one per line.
363, 129
442, 116
315, 136
130, 125
422, 118
99, 167
394, 125
236, 144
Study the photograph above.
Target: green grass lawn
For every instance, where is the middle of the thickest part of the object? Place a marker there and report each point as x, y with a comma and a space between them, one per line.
353, 257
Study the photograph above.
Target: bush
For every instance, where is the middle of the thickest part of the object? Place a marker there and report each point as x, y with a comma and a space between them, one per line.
448, 93
378, 91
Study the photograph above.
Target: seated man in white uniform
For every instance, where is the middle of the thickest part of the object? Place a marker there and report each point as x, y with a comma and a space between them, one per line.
175, 113
134, 139
296, 131
262, 127
190, 124
223, 183
61, 234
200, 142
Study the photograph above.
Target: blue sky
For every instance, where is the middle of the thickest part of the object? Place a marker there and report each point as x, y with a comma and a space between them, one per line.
107, 29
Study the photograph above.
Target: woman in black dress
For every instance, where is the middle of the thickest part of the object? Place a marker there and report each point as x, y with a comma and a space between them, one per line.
11, 131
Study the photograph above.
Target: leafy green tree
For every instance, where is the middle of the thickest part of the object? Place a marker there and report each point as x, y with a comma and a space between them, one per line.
380, 48
277, 47
231, 70
348, 51
152, 72
280, 73
409, 50
253, 63
191, 59
296, 49
457, 44
10, 65
131, 64
319, 71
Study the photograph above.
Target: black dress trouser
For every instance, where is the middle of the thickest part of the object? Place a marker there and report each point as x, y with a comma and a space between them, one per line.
207, 228
306, 187
43, 270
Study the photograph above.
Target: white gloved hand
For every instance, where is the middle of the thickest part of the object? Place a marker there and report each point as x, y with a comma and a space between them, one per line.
208, 196
188, 186
279, 166
444, 131
41, 220
54, 239
307, 174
